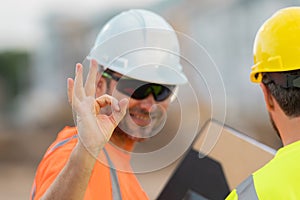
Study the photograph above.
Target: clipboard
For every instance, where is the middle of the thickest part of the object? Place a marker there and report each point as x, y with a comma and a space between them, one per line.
231, 158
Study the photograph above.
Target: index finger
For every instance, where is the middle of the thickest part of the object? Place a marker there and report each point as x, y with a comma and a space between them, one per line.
106, 100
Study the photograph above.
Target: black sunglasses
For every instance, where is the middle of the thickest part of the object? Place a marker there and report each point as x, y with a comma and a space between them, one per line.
137, 89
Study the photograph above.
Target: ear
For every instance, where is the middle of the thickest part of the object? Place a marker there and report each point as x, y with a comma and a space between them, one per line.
268, 97
101, 85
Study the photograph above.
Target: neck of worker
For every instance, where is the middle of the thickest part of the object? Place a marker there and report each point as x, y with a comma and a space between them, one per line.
122, 140
288, 127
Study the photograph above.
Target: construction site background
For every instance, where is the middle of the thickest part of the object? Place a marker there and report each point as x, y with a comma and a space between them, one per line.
33, 100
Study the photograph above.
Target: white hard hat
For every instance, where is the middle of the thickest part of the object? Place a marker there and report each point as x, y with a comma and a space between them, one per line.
141, 45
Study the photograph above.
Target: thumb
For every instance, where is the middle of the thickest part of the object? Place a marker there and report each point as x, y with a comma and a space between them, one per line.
118, 114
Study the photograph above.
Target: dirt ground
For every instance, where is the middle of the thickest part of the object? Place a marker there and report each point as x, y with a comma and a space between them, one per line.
20, 154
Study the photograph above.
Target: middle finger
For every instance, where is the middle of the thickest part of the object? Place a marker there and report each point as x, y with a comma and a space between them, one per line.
90, 84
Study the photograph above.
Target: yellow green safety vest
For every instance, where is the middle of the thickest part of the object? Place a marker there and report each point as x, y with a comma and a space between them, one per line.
278, 179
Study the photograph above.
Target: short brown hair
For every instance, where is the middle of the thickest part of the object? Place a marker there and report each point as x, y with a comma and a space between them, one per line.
288, 98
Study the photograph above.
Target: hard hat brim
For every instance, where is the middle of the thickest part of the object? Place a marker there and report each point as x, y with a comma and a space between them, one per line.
156, 73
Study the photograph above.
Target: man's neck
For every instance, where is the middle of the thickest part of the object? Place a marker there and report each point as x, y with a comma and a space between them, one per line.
290, 130
288, 127
121, 140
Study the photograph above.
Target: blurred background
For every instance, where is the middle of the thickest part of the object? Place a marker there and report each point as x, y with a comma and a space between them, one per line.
42, 40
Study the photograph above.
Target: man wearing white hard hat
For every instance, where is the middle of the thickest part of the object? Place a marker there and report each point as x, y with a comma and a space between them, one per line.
133, 74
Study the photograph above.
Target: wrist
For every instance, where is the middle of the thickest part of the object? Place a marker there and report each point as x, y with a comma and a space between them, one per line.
83, 157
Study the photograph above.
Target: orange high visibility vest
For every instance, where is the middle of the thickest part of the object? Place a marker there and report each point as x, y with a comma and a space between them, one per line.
101, 181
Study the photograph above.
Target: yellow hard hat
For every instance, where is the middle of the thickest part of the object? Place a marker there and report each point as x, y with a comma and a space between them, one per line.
277, 44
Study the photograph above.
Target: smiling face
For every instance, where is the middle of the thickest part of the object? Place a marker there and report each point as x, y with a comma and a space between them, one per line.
145, 117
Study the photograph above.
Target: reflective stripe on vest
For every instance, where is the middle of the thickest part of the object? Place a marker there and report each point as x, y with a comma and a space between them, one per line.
116, 193
246, 190
60, 143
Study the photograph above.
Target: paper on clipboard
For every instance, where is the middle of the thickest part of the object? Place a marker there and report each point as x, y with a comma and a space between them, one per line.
238, 154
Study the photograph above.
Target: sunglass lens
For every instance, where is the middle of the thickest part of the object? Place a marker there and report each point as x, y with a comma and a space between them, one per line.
140, 90
161, 92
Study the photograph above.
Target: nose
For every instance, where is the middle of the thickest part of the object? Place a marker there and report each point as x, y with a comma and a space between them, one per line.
148, 102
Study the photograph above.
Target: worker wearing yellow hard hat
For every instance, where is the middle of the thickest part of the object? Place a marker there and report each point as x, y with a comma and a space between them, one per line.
277, 69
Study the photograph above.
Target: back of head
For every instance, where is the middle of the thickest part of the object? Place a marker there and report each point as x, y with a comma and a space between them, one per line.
141, 45
277, 58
